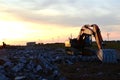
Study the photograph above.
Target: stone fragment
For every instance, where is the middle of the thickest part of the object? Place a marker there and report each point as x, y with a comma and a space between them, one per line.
38, 68
3, 77
19, 77
18, 67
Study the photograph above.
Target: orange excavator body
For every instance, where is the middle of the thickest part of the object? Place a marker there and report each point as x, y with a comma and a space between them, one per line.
84, 38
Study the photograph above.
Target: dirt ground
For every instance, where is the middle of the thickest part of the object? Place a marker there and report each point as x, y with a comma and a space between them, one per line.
91, 71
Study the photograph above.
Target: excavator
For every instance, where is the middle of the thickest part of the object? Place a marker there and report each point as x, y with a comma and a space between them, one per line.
82, 44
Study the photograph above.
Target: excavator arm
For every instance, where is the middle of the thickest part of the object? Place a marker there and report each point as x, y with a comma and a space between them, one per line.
95, 31
90, 30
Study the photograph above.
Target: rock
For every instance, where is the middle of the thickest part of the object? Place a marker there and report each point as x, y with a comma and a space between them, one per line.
30, 65
100, 74
22, 60
56, 73
62, 78
8, 63
40, 78
32, 76
57, 57
68, 62
2, 69
19, 77
18, 67
3, 77
38, 68
44, 79
78, 69
2, 61
118, 74
85, 75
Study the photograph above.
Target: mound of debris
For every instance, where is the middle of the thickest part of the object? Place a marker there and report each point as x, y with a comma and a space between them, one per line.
37, 63
29, 64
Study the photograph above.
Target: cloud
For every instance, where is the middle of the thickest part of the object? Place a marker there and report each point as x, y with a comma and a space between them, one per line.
66, 12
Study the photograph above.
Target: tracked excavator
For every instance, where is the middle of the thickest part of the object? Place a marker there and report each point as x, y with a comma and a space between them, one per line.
82, 45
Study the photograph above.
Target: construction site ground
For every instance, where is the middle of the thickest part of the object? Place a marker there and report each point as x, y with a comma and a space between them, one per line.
91, 71
82, 70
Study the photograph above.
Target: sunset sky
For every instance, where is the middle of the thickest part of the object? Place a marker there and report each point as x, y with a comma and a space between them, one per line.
45, 21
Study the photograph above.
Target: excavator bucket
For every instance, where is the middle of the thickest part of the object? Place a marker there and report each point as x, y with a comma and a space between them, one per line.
107, 55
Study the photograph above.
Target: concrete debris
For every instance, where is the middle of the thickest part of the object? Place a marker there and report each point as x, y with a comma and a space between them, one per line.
8, 63
38, 68
3, 77
33, 64
18, 67
77, 69
2, 69
38, 64
100, 74
19, 77
22, 60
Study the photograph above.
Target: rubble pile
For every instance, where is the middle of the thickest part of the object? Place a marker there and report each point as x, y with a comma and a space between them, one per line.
29, 64
39, 63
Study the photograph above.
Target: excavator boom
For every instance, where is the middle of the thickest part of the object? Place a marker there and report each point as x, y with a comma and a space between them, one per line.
91, 30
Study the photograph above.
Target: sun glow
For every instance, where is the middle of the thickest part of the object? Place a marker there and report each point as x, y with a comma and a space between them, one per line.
16, 32
11, 29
